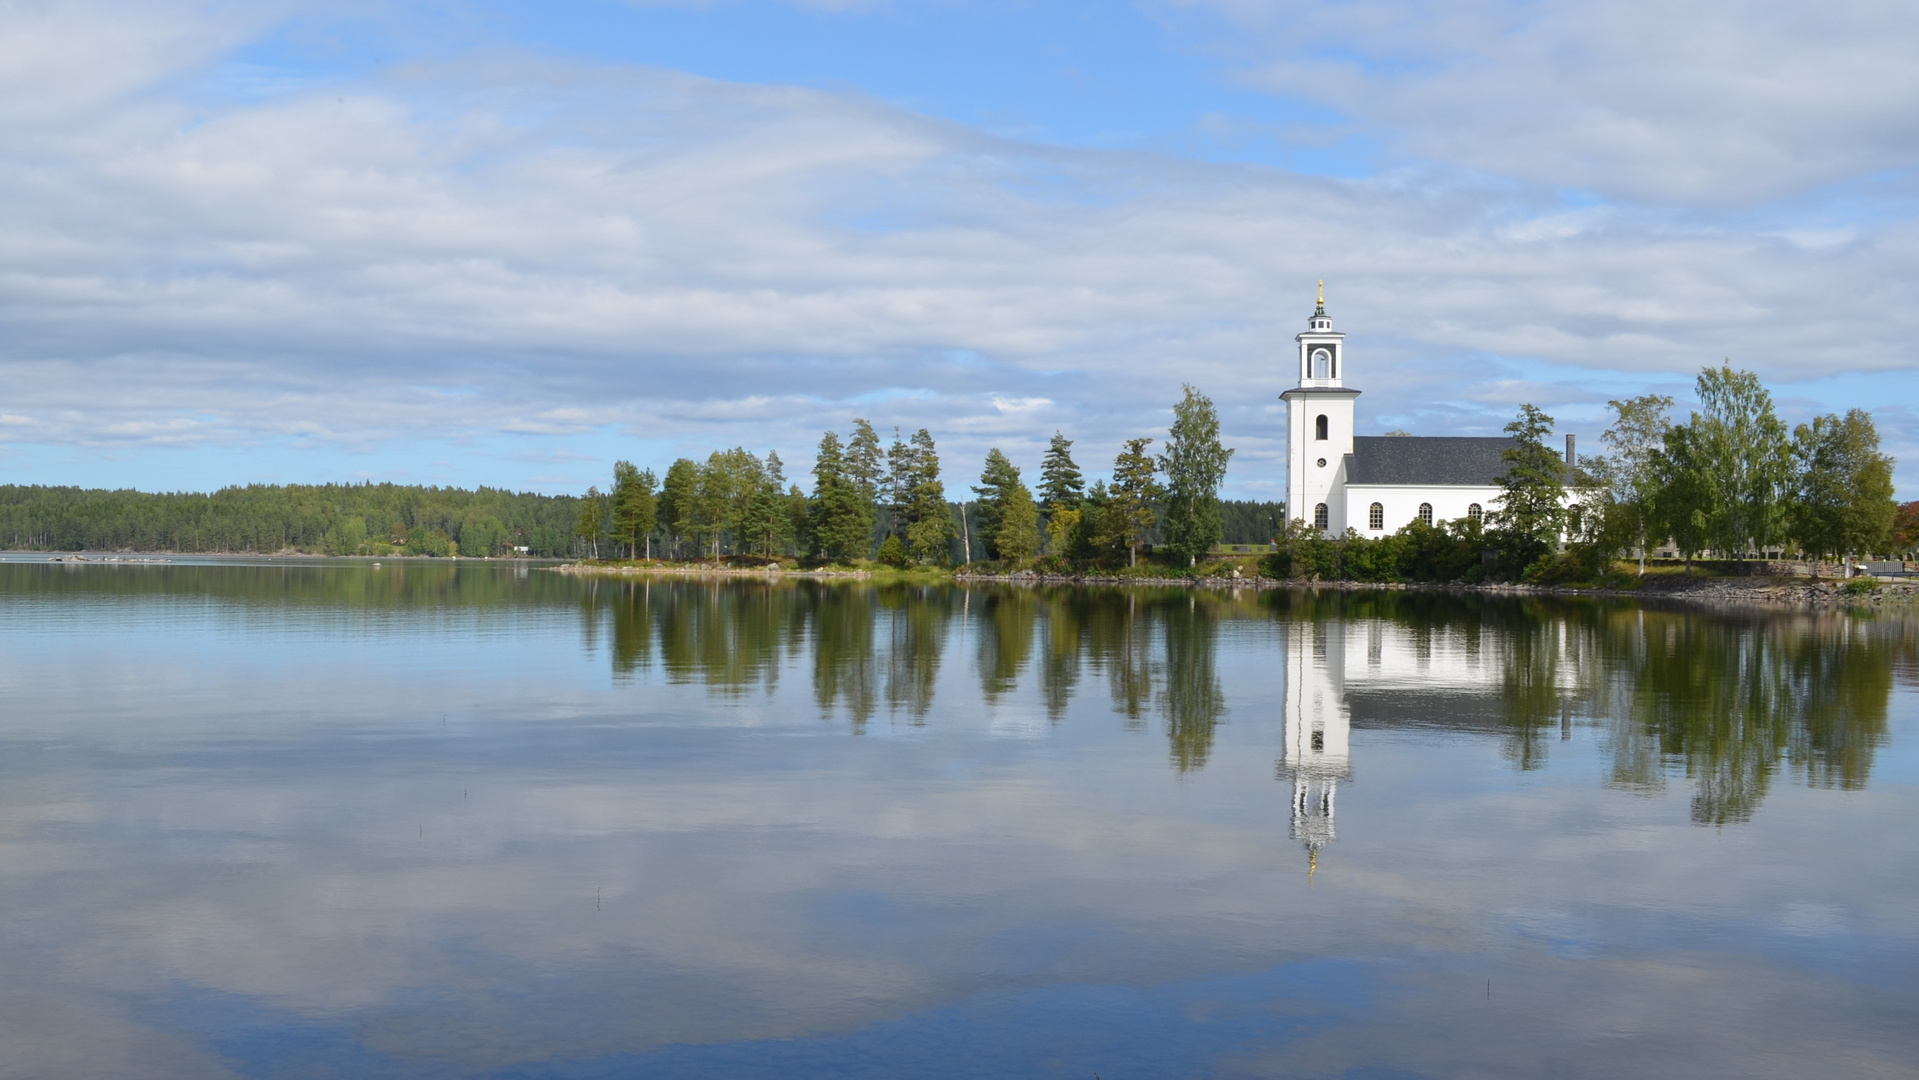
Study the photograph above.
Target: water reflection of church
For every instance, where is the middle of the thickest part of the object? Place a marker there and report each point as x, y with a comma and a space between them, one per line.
1315, 730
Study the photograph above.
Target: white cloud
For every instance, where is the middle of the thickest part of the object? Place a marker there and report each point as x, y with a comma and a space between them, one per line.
506, 248
1706, 102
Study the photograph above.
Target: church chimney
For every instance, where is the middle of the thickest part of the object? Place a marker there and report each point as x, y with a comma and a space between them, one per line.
1569, 451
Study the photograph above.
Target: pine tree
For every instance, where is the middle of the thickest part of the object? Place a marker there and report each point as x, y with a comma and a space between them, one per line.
840, 525
1135, 494
1195, 466
997, 481
865, 462
1018, 536
929, 530
1061, 486
677, 499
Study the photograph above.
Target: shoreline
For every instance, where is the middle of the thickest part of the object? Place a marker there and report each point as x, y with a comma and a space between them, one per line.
1776, 593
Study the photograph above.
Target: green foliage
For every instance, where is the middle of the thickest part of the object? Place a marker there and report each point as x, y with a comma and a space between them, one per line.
920, 511
840, 524
592, 519
1018, 537
1195, 466
1860, 586
1447, 551
635, 506
1248, 522
1630, 473
893, 553
1842, 502
1731, 467
998, 480
421, 541
1061, 486
678, 502
1531, 510
266, 518
1135, 496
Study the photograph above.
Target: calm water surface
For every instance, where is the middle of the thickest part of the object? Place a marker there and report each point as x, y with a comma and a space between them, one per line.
326, 819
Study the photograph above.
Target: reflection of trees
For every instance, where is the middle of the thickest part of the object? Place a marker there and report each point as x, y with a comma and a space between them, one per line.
1120, 638
1733, 700
1192, 699
1727, 699
1065, 639
917, 618
1005, 638
845, 669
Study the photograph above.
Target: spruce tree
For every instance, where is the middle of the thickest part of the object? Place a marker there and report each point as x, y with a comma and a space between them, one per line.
1533, 490
997, 481
677, 496
1061, 487
1135, 494
840, 524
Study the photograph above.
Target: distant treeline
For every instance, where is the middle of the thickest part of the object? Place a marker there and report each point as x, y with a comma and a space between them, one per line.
332, 519
368, 519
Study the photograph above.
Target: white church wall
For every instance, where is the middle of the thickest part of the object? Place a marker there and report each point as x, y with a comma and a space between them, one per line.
1400, 505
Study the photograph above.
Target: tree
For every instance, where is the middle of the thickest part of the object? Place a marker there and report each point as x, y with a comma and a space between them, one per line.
1631, 472
765, 524
1532, 492
998, 480
1743, 461
1135, 494
840, 524
1842, 503
865, 463
1195, 466
1061, 487
1905, 527
1685, 491
587, 525
1018, 537
921, 497
635, 507
677, 500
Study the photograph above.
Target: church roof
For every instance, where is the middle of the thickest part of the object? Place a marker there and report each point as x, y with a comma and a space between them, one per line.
1424, 461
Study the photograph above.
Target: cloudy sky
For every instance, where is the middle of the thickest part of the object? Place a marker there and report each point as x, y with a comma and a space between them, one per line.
488, 242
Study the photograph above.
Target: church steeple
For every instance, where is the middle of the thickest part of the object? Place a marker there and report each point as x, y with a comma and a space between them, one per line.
1319, 348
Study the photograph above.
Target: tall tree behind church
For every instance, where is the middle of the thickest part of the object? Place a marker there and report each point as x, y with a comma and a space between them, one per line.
1533, 490
1195, 466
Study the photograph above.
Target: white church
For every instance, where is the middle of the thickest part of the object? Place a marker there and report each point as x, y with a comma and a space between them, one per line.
1374, 484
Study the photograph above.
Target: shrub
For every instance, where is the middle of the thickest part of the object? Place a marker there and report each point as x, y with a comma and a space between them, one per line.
894, 554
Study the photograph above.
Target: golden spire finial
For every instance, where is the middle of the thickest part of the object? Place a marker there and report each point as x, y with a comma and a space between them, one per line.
1322, 292
1312, 863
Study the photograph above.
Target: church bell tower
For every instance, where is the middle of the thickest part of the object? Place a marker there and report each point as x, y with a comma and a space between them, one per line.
1319, 421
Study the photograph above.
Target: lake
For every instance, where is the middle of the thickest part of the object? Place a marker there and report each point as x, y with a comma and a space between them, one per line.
324, 818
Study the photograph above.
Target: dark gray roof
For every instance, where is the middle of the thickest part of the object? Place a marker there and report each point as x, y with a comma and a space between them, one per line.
1415, 460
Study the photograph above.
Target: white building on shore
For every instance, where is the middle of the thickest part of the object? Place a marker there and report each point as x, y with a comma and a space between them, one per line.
1374, 484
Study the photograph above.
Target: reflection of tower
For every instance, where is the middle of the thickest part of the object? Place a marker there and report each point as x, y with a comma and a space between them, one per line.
1316, 724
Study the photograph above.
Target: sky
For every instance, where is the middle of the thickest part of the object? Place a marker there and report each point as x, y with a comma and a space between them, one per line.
508, 243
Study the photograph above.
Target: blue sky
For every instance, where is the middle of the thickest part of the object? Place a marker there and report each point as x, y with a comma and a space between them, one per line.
507, 243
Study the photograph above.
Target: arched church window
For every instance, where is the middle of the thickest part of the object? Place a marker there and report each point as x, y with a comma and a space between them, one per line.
1426, 513
1322, 364
1319, 427
1474, 512
1319, 516
1376, 517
